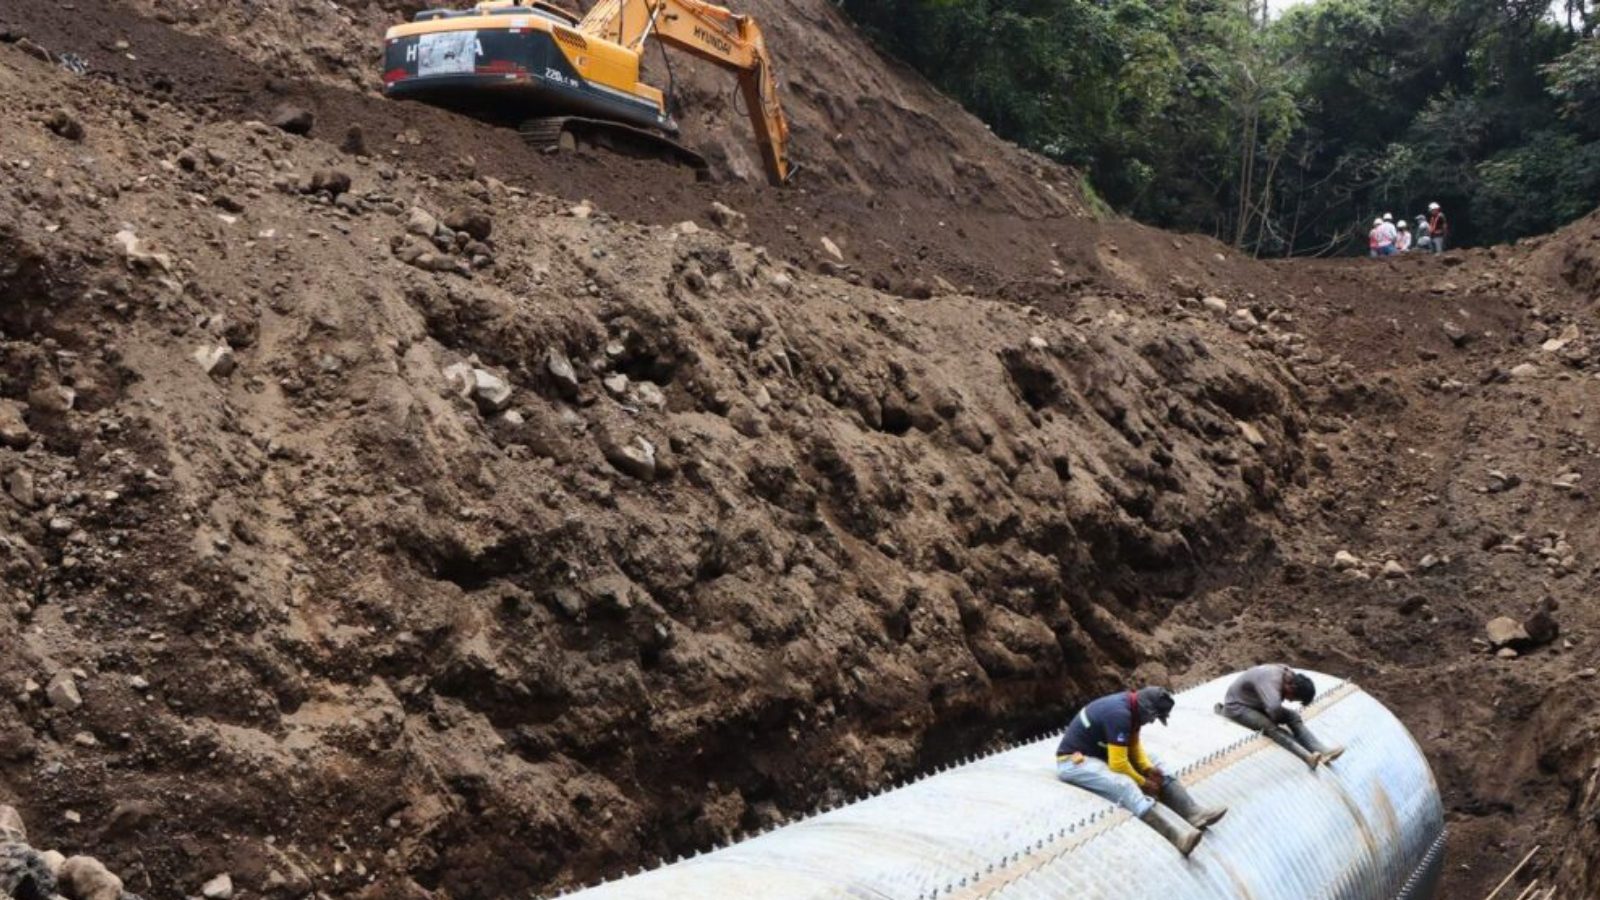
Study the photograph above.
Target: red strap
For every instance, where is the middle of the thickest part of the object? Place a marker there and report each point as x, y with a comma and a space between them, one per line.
1133, 707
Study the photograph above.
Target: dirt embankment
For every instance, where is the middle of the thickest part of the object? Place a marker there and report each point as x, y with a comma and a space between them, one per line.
708, 537
404, 525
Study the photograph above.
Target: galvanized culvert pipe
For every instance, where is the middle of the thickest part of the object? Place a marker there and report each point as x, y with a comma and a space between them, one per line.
1370, 827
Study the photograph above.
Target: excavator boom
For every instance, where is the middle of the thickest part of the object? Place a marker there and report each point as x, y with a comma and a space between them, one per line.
712, 33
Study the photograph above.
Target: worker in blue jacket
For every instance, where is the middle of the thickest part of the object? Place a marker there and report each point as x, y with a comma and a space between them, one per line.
1101, 753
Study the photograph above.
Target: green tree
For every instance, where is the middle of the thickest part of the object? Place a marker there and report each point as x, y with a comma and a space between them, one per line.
1282, 136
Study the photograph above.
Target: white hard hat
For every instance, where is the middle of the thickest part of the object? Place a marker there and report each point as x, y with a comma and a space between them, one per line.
1388, 217
1377, 221
1403, 224
1432, 207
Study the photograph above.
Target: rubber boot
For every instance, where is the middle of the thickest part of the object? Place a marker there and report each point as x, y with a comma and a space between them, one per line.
1178, 833
1183, 803
1283, 739
1304, 736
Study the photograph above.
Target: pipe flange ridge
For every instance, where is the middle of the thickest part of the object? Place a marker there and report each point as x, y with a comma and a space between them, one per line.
1418, 874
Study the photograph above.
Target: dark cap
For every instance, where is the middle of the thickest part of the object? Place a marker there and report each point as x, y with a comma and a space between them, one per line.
1156, 703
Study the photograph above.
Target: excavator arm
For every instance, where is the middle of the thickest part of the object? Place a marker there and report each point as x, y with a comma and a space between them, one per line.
712, 33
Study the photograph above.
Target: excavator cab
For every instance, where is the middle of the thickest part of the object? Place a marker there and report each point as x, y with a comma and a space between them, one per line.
515, 63
536, 8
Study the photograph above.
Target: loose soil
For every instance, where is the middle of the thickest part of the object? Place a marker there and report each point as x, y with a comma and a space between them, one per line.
765, 528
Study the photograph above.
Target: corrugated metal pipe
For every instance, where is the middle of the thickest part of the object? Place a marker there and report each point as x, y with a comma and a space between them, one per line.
1370, 827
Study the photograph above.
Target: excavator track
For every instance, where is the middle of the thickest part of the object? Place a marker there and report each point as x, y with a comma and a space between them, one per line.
567, 133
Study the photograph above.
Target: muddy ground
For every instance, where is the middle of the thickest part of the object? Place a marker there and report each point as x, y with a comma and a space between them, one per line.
726, 527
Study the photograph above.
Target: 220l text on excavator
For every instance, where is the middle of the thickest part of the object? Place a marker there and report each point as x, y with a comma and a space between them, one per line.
567, 81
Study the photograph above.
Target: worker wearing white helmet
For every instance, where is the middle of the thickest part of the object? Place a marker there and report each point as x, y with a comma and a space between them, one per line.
1402, 241
1372, 237
1438, 227
1388, 217
1387, 236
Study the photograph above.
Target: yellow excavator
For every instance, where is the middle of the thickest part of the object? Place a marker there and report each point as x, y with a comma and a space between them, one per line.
569, 82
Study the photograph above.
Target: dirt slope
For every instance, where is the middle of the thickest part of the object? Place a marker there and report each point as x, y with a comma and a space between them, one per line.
858, 120
731, 527
775, 534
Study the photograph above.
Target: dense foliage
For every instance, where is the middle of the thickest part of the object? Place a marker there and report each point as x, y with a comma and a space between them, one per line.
1284, 133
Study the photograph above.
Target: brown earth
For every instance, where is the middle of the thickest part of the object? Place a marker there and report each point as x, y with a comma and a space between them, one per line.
790, 528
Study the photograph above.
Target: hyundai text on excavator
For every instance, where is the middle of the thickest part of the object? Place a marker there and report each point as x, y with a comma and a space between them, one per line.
569, 81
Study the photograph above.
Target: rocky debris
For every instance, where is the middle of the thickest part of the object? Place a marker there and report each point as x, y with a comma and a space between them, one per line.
832, 249
332, 182
616, 385
1459, 337
25, 874
650, 395
635, 458
34, 50
14, 431
561, 372
30, 874
1566, 481
216, 360
1430, 561
11, 827
65, 124
1393, 569
1541, 626
1214, 303
1412, 604
355, 141
489, 391
1503, 631
471, 221
422, 223
1538, 629
728, 219
583, 209
86, 878
1558, 343
1251, 434
63, 692
1344, 560
424, 256
130, 816
1524, 371
20, 486
138, 255
1500, 482
292, 119
218, 888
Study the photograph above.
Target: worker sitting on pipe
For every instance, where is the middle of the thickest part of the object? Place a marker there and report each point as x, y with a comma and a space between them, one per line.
1101, 753
1255, 700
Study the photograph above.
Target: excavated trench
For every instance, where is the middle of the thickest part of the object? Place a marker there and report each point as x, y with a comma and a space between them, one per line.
377, 620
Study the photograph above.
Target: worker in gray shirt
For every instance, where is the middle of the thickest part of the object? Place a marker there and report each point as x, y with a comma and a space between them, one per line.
1255, 700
